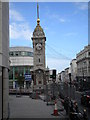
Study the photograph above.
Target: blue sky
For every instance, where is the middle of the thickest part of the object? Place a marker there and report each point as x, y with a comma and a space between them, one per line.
65, 25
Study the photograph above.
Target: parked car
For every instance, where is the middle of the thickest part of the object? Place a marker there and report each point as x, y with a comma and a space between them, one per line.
85, 98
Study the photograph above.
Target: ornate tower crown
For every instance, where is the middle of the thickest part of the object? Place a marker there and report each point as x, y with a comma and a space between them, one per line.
38, 31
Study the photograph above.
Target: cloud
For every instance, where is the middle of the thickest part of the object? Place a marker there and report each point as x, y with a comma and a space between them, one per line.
70, 34
82, 6
62, 20
20, 31
59, 18
19, 27
15, 16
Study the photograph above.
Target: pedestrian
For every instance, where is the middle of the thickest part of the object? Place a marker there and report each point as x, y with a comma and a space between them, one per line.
72, 107
66, 104
72, 110
76, 108
85, 115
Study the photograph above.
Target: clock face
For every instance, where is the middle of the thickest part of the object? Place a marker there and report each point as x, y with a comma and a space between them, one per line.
38, 46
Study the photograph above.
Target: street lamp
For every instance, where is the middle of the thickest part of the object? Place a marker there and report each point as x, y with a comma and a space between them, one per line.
83, 75
46, 82
47, 92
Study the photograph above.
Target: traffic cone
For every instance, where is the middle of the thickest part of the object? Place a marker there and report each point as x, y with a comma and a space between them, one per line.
55, 110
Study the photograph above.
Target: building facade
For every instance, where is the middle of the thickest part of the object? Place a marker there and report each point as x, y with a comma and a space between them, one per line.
4, 59
83, 65
39, 55
73, 66
21, 63
67, 74
62, 76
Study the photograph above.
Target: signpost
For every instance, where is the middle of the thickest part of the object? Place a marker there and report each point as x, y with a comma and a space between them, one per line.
28, 77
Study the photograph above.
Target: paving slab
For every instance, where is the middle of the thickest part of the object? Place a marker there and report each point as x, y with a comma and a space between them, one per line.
25, 107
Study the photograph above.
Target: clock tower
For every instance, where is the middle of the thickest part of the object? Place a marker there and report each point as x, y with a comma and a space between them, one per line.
39, 55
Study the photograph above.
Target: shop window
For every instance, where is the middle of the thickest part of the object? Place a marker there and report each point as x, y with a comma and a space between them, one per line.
21, 70
11, 73
10, 84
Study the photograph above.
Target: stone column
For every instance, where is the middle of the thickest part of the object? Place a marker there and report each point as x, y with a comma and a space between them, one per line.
0, 93
13, 84
5, 92
24, 84
13, 73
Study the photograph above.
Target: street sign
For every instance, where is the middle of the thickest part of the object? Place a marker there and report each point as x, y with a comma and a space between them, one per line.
28, 77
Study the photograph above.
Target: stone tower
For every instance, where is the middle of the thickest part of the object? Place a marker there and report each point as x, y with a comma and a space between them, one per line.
39, 55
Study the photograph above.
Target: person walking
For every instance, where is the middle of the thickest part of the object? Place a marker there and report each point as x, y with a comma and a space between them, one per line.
66, 104
76, 108
72, 111
72, 107
85, 115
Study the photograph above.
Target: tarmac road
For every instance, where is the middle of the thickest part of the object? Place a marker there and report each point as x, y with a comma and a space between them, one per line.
25, 107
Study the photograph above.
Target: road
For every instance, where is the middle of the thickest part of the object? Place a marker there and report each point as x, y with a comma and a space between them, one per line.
25, 107
82, 107
66, 90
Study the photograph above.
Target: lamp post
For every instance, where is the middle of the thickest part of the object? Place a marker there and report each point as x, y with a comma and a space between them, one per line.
83, 75
54, 79
47, 92
83, 79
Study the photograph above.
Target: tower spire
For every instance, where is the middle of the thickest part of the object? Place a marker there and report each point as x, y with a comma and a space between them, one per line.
38, 20
37, 10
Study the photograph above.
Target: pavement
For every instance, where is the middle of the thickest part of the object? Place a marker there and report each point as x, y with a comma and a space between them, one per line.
42, 97
25, 107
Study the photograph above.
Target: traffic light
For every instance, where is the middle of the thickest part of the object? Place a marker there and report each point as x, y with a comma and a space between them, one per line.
54, 74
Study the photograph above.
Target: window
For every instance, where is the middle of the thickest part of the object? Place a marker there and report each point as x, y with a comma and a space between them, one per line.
10, 84
16, 53
89, 63
30, 54
11, 53
21, 70
22, 53
88, 53
27, 70
16, 72
39, 82
11, 73
39, 60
